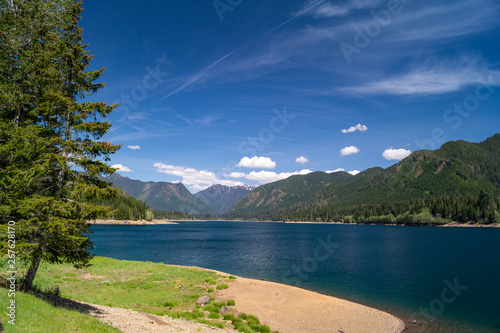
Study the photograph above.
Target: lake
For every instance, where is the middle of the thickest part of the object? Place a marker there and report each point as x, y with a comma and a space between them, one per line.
447, 279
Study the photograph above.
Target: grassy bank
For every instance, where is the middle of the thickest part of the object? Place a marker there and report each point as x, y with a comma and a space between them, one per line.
154, 288
37, 316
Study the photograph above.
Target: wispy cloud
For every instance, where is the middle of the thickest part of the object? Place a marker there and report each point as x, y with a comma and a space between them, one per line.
198, 76
134, 147
431, 79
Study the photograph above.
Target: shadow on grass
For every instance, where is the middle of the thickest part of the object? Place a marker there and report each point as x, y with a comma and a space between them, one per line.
66, 303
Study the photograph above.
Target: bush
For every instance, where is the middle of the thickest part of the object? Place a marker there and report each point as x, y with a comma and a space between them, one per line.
243, 316
222, 286
231, 302
214, 316
218, 304
170, 304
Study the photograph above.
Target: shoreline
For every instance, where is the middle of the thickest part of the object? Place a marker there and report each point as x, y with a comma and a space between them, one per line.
290, 309
165, 221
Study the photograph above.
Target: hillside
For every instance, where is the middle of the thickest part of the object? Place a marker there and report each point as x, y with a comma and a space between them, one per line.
458, 168
221, 197
290, 191
162, 195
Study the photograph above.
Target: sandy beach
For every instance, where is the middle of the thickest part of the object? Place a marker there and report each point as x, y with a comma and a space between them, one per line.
289, 309
131, 222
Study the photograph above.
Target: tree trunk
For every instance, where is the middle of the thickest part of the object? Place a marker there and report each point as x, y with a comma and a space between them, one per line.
27, 283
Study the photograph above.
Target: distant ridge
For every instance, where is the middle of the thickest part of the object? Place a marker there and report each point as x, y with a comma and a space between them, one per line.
222, 197
162, 195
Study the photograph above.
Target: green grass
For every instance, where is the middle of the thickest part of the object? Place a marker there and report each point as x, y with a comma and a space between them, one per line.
142, 286
37, 316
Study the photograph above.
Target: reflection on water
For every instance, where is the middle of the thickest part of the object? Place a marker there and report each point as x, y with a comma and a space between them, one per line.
402, 270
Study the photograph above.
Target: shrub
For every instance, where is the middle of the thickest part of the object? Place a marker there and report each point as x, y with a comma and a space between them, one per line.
231, 302
222, 286
218, 304
170, 304
243, 316
214, 316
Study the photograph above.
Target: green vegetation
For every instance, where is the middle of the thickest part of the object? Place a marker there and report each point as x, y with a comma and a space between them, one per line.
126, 208
36, 315
50, 156
142, 286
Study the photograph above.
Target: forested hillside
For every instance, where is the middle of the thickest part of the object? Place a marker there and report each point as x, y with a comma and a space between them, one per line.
459, 182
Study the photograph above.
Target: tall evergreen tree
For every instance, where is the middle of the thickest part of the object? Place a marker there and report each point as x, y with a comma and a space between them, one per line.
50, 153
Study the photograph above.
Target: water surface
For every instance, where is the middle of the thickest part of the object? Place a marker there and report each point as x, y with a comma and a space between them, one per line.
448, 279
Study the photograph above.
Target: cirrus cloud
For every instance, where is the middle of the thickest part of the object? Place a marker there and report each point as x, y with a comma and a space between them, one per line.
349, 150
257, 163
396, 154
134, 147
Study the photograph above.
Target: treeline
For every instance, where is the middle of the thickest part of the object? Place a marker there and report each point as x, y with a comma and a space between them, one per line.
126, 208
165, 215
483, 209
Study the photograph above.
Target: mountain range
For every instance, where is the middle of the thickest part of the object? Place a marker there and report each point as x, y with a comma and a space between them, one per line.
221, 197
458, 168
176, 197
162, 195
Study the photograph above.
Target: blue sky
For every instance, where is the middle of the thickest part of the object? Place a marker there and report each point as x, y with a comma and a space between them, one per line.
239, 91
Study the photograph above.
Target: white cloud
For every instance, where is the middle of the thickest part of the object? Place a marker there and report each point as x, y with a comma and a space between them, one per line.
354, 172
431, 78
265, 177
329, 10
352, 129
301, 160
349, 151
121, 168
257, 163
336, 170
362, 4
134, 147
396, 154
197, 179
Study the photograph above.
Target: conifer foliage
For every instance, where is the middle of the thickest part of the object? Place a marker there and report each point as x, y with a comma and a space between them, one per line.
50, 154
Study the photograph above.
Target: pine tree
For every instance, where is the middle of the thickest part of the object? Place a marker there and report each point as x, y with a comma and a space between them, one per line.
50, 155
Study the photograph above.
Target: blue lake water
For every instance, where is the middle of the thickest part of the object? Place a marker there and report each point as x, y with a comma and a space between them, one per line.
447, 279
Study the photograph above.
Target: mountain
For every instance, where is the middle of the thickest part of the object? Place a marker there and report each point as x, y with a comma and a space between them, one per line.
223, 197
162, 195
458, 168
287, 192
